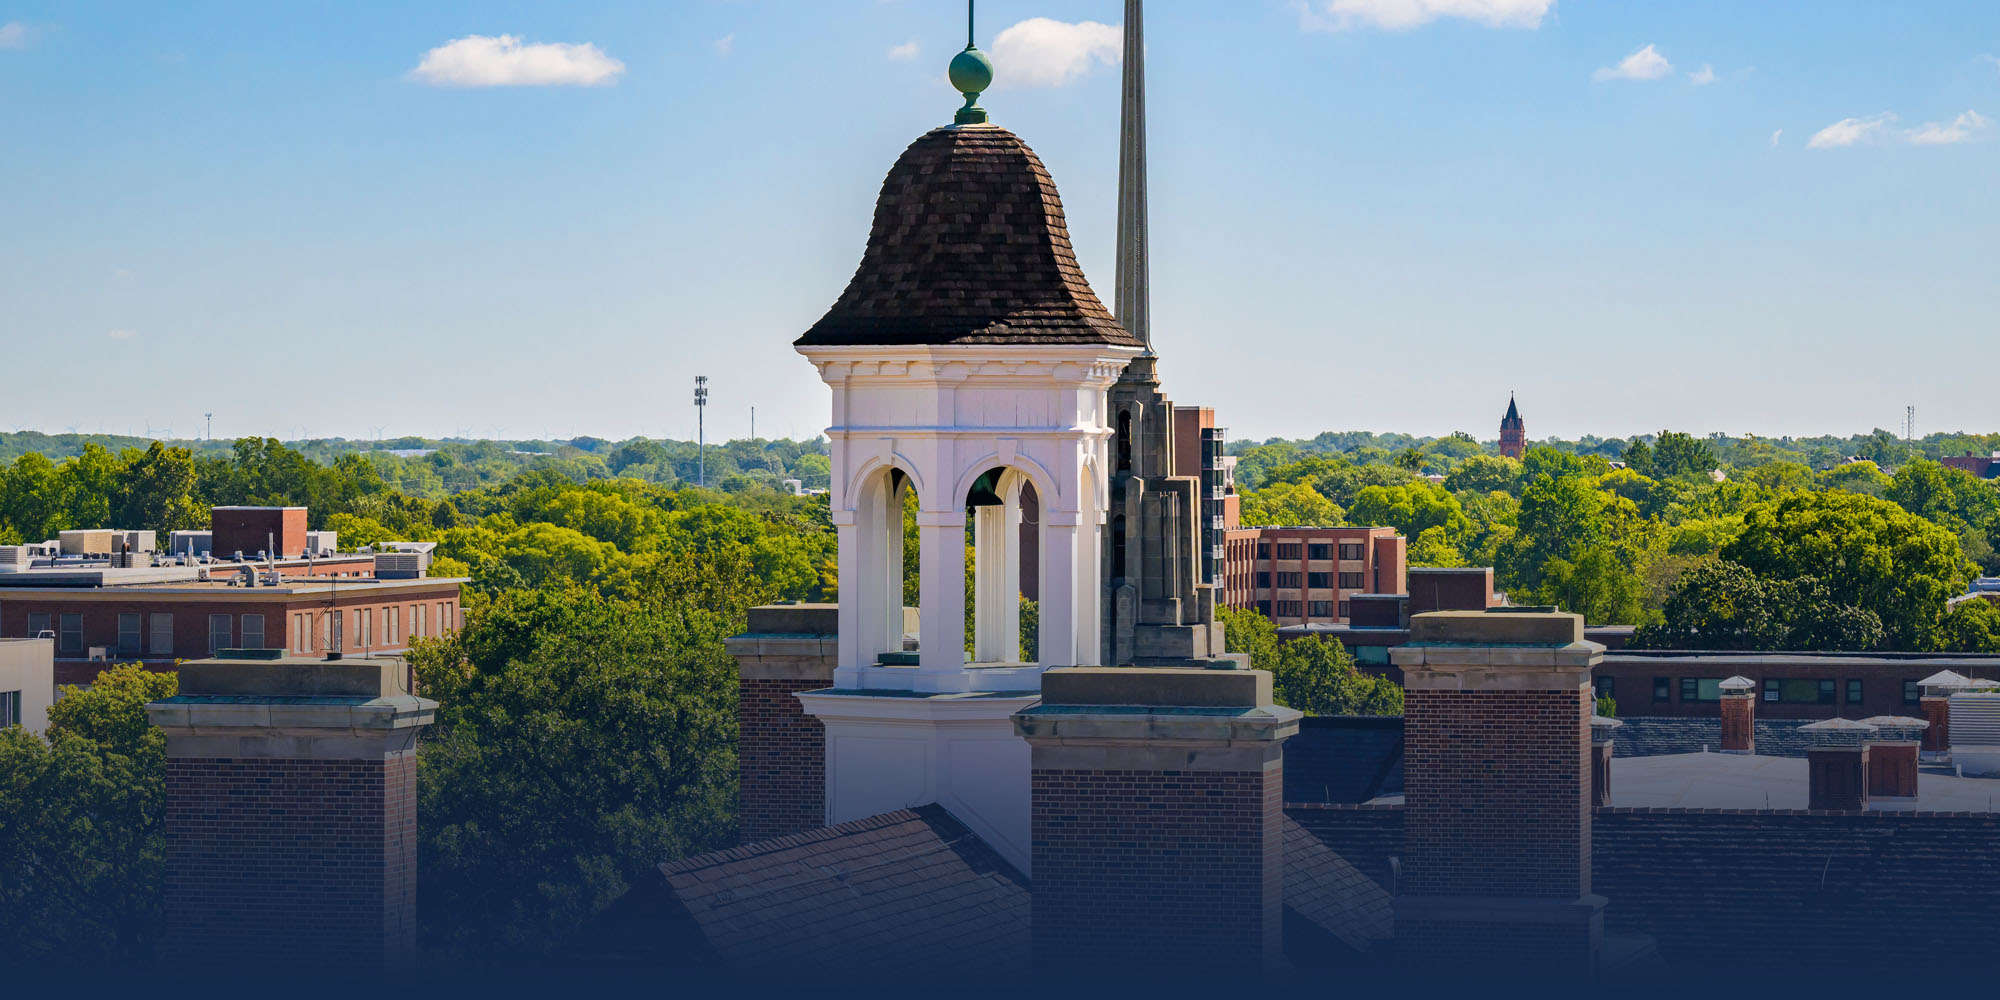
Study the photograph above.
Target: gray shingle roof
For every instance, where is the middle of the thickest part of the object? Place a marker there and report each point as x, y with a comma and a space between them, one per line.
912, 890
1643, 736
1322, 887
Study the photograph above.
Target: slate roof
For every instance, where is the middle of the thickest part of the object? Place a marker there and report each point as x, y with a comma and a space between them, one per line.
1322, 887
969, 246
1344, 759
912, 890
1657, 736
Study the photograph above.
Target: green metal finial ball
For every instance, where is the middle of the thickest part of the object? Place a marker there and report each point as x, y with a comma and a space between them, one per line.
971, 72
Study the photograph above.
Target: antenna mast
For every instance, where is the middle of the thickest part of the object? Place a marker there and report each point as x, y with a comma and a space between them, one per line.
700, 429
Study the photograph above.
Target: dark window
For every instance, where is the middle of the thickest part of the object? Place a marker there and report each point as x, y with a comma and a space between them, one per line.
1320, 580
1798, 691
1701, 689
1263, 579
38, 622
253, 631
71, 639
1289, 550
128, 634
1350, 581
1290, 580
1343, 610
1351, 550
163, 633
1607, 687
220, 630
1319, 550
1319, 609
1288, 609
10, 708
1854, 691
1263, 550
1662, 688
1912, 693
1264, 608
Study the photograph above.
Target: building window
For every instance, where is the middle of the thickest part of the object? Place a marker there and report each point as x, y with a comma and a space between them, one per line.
422, 627
1320, 581
1607, 687
1701, 689
389, 622
220, 630
1319, 609
1854, 691
1263, 580
1662, 688
10, 708
1350, 581
1319, 550
1263, 550
1288, 609
1352, 550
1912, 693
253, 631
162, 641
38, 622
301, 633
71, 638
1264, 608
128, 634
337, 635
1288, 581
1798, 691
1343, 610
367, 627
1289, 550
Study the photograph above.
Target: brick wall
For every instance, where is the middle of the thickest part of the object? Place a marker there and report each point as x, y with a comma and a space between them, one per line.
269, 859
1779, 893
1498, 786
1180, 869
781, 759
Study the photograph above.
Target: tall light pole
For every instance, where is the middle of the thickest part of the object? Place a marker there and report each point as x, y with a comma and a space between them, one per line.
700, 429
210, 418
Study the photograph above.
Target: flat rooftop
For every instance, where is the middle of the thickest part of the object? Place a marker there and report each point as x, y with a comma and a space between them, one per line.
1748, 781
224, 578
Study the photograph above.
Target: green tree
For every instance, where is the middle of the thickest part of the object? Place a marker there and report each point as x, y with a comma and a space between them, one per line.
1484, 474
34, 498
1724, 605
1675, 454
1597, 584
155, 492
1868, 553
1316, 675
80, 828
1411, 508
1970, 626
1290, 505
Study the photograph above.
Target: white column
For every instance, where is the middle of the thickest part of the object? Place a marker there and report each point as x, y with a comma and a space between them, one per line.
941, 643
888, 574
851, 532
1089, 587
1058, 609
1010, 586
989, 579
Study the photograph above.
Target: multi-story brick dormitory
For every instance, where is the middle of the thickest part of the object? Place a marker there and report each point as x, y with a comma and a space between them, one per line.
157, 609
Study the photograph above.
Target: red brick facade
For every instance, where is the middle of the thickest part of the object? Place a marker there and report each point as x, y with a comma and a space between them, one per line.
1739, 723
269, 859
1298, 576
251, 530
1937, 712
1498, 787
781, 760
1175, 869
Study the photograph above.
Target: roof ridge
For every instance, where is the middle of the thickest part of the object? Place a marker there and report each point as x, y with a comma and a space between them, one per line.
783, 842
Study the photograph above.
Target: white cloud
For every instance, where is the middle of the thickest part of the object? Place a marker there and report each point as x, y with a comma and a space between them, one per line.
1848, 131
905, 52
1645, 64
1397, 15
480, 61
122, 334
1775, 136
1959, 129
1040, 52
725, 45
13, 35
1703, 76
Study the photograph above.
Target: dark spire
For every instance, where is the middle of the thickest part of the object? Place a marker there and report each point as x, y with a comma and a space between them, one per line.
1513, 415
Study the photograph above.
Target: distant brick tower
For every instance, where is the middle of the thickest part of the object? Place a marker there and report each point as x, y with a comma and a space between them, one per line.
1513, 432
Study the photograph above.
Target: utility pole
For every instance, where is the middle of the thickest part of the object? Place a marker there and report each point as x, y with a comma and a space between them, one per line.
210, 417
700, 429
753, 423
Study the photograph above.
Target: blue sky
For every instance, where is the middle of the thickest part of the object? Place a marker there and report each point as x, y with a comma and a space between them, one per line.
1368, 214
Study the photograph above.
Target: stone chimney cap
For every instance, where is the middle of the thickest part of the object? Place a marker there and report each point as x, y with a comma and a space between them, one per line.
1496, 627
1605, 722
1895, 722
1836, 726
1738, 683
1945, 679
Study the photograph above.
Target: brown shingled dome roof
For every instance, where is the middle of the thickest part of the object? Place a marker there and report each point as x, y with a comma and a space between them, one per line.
969, 246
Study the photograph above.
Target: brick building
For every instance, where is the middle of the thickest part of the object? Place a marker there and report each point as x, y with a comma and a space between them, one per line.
1687, 683
1299, 576
1983, 466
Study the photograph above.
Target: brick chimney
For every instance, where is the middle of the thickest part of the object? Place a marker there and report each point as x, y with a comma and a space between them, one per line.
1893, 756
1156, 818
780, 750
1936, 705
291, 814
1837, 764
1602, 730
1497, 791
1739, 715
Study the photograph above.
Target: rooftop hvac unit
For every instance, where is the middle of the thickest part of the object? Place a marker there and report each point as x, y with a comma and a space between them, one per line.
1975, 733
